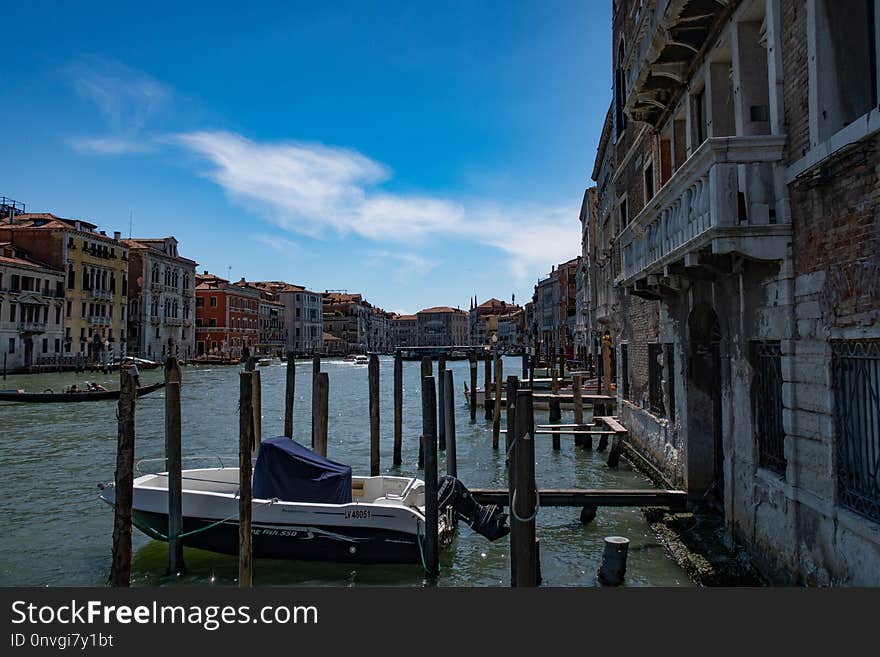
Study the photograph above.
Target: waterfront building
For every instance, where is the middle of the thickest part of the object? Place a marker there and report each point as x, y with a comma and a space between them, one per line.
227, 317
272, 334
404, 331
347, 316
161, 300
442, 326
96, 279
380, 330
31, 310
303, 316
736, 268
483, 319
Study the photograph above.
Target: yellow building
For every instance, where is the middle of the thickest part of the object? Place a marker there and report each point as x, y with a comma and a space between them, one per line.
96, 278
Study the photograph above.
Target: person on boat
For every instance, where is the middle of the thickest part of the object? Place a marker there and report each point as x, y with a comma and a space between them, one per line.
73, 388
96, 387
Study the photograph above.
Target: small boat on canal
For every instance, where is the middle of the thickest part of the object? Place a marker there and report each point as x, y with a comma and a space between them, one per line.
51, 397
305, 507
361, 360
264, 362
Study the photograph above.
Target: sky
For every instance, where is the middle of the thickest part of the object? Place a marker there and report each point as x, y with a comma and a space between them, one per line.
419, 153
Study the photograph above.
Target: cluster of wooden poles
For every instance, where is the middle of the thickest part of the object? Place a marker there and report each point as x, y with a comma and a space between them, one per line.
521, 496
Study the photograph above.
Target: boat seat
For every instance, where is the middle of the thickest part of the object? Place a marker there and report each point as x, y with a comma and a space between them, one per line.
357, 489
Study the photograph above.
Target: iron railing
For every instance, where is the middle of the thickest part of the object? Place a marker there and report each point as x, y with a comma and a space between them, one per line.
767, 405
856, 380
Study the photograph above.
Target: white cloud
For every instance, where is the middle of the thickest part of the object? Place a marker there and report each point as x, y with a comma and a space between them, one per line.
316, 190
405, 265
287, 248
126, 99
108, 145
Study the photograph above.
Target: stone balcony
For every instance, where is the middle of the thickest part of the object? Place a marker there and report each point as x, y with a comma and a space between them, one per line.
105, 295
31, 327
97, 320
720, 201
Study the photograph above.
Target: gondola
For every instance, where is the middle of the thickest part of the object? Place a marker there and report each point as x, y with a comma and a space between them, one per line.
67, 397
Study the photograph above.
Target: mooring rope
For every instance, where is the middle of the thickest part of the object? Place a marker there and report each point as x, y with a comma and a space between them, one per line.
513, 507
421, 551
156, 534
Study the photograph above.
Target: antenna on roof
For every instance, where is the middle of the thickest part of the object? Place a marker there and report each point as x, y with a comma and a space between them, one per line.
129, 223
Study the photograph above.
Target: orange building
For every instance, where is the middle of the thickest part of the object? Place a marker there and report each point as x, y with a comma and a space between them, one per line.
227, 317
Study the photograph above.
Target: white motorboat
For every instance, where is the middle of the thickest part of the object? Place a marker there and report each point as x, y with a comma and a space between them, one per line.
263, 362
361, 360
305, 507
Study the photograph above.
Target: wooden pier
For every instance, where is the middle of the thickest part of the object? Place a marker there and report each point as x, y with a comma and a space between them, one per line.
674, 500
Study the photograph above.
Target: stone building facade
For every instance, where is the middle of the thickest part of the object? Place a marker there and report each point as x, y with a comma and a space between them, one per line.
161, 301
739, 176
442, 326
96, 279
31, 310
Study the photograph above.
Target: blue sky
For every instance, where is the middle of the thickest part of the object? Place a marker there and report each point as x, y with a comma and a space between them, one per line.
418, 153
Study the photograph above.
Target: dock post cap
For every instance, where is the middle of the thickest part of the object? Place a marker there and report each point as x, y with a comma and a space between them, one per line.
617, 540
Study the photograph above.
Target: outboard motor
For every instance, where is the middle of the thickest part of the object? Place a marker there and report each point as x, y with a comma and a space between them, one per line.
487, 520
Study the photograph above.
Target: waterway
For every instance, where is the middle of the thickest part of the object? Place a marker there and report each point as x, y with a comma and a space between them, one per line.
56, 531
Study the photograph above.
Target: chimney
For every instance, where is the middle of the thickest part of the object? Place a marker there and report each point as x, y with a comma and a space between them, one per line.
104, 233
206, 272
117, 235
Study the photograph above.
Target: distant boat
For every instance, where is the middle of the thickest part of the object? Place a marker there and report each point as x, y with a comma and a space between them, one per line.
361, 360
350, 358
50, 397
263, 362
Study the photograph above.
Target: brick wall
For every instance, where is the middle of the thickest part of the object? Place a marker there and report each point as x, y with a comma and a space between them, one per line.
796, 77
835, 209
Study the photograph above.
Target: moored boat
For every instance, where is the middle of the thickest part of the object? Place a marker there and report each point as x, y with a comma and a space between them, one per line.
51, 397
305, 507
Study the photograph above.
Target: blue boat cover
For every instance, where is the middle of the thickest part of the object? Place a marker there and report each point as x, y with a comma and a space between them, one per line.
293, 473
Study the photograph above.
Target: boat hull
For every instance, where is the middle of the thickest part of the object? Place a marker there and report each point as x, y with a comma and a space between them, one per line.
337, 544
71, 397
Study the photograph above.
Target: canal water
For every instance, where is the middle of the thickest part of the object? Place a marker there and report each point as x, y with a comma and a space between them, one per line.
56, 531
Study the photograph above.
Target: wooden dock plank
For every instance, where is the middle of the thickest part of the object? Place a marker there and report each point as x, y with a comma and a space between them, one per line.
675, 500
570, 432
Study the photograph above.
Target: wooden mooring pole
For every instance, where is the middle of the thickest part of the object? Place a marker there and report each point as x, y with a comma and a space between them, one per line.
258, 409
289, 394
316, 368
174, 466
431, 548
373, 373
449, 421
320, 412
487, 386
524, 509
580, 440
525, 364
427, 371
397, 457
512, 391
496, 412
441, 402
120, 568
555, 407
245, 478
473, 390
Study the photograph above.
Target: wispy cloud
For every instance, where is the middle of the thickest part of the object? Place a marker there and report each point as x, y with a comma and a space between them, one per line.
287, 248
315, 190
127, 100
108, 145
405, 265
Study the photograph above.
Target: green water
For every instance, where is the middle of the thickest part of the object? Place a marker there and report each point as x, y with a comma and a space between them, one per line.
57, 532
